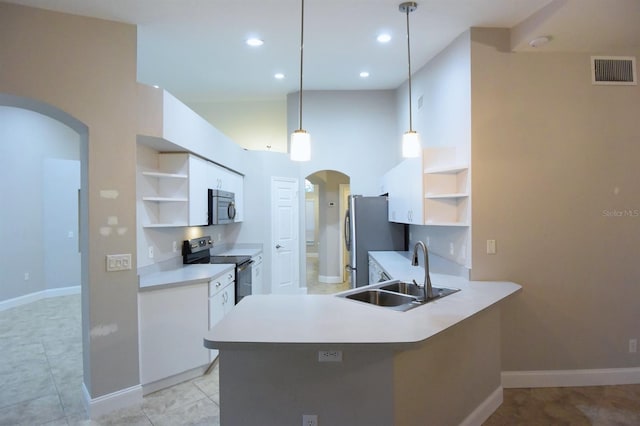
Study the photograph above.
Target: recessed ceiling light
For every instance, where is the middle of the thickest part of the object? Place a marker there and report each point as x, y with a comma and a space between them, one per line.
279, 75
155, 86
384, 38
254, 42
364, 74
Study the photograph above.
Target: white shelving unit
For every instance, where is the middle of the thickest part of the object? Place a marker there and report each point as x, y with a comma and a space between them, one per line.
166, 192
446, 189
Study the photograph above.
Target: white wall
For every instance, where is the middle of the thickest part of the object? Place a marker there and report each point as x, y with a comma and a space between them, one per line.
444, 120
61, 183
38, 155
352, 132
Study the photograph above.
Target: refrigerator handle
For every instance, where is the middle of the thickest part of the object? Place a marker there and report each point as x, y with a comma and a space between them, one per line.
347, 230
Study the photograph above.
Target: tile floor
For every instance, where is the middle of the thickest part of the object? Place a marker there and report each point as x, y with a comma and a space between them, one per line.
41, 377
316, 287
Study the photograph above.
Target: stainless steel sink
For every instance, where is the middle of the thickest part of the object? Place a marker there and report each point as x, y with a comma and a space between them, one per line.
396, 295
412, 289
381, 298
404, 288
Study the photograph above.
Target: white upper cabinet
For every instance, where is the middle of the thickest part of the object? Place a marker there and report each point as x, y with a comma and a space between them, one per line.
164, 192
404, 185
227, 180
176, 192
432, 190
446, 187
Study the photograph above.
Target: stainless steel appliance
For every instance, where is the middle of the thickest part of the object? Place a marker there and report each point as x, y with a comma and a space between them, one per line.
243, 273
197, 251
222, 207
367, 228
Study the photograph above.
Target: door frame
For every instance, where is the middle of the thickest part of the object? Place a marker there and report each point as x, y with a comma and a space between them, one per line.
296, 273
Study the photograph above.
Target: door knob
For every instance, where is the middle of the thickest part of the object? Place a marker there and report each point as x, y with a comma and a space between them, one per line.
278, 246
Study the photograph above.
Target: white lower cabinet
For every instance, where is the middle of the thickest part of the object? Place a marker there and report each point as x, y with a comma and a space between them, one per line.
257, 285
172, 323
222, 298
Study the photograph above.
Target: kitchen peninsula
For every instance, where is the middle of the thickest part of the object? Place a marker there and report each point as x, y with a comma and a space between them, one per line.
435, 364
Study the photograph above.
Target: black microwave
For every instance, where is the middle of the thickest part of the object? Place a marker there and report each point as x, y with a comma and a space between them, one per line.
222, 207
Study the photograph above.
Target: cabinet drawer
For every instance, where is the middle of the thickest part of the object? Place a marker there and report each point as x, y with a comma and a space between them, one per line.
220, 282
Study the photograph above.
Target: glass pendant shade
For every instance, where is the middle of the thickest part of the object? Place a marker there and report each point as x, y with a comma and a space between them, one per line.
411, 146
300, 145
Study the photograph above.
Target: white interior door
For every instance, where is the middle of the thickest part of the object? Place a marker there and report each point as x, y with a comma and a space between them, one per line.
285, 249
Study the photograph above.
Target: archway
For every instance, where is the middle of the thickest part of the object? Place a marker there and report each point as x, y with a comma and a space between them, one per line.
63, 170
326, 192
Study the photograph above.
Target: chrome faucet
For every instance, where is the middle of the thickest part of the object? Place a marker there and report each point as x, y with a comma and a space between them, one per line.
428, 289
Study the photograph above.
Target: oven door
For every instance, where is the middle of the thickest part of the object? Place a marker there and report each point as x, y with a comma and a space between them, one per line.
243, 280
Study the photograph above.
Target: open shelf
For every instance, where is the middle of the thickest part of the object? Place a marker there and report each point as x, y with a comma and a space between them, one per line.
164, 175
450, 195
166, 199
459, 224
165, 225
446, 169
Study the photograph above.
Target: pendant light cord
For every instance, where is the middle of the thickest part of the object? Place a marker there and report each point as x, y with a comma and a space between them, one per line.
301, 58
409, 61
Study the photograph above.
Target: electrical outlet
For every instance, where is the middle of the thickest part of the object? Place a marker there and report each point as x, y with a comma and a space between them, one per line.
428, 242
491, 246
309, 420
633, 346
174, 246
118, 262
329, 356
26, 276
150, 252
451, 249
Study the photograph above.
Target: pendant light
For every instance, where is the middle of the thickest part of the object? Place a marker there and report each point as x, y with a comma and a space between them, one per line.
301, 139
411, 146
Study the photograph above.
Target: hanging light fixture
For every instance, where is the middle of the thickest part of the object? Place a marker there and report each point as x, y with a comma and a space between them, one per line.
301, 139
411, 145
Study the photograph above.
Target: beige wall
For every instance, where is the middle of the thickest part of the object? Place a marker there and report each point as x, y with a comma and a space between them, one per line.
87, 68
260, 125
553, 158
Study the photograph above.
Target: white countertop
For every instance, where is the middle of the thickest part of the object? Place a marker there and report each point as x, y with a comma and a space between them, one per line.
187, 274
323, 319
238, 252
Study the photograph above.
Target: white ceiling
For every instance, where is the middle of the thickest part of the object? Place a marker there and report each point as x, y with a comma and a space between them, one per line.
195, 48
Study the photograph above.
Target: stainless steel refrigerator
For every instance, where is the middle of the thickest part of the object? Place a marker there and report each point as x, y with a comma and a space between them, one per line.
367, 228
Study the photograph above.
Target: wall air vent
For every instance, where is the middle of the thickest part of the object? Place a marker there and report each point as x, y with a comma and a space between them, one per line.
616, 70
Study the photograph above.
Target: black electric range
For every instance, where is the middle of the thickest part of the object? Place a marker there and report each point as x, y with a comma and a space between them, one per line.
197, 251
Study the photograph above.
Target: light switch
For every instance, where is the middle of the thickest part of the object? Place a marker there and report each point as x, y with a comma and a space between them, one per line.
491, 246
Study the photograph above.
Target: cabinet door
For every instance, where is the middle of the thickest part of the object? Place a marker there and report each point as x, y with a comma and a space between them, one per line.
236, 183
226, 180
256, 276
404, 183
229, 299
198, 196
171, 325
219, 305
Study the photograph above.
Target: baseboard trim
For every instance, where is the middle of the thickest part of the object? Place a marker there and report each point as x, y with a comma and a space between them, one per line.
39, 295
329, 279
564, 378
173, 380
485, 409
106, 404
